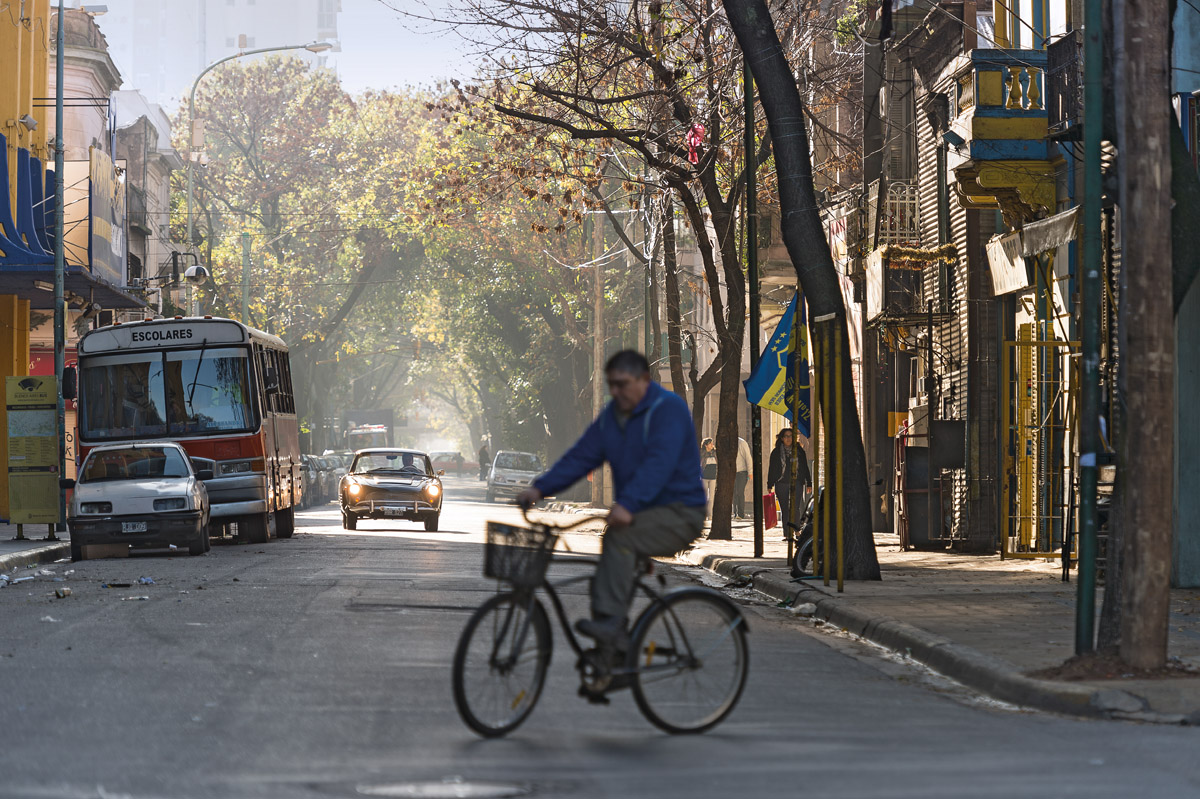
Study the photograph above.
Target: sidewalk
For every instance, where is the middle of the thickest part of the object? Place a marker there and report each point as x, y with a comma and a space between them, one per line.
35, 549
986, 622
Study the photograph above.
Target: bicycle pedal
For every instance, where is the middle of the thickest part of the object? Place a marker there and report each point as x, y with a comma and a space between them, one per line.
594, 698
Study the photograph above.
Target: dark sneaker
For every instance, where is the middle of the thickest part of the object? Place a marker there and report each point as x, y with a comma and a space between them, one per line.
608, 630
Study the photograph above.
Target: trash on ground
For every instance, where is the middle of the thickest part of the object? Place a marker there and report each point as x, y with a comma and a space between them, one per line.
146, 581
21, 580
806, 609
45, 572
117, 585
172, 546
50, 619
68, 572
134, 598
741, 581
62, 593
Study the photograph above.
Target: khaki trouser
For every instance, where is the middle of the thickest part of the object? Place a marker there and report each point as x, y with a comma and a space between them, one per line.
655, 532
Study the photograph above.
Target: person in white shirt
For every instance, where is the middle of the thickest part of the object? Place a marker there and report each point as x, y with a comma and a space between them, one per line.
745, 460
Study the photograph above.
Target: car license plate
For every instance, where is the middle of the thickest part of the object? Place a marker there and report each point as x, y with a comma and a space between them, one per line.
133, 527
394, 511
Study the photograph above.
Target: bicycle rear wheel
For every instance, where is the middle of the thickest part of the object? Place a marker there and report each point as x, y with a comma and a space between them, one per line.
690, 661
500, 664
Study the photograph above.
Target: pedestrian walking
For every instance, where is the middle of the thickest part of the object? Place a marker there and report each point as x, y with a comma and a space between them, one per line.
744, 461
485, 461
708, 470
779, 477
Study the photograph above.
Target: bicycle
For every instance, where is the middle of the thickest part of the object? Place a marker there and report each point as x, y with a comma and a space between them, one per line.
686, 662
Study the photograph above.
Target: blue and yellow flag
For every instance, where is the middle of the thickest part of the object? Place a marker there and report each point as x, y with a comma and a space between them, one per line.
773, 383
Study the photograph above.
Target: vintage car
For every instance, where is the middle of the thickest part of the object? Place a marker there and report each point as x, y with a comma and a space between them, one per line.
386, 483
511, 473
144, 494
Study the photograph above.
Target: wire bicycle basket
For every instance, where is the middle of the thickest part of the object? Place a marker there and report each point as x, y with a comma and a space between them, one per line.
518, 555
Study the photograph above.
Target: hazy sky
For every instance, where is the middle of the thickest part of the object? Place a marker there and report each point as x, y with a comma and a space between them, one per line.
382, 49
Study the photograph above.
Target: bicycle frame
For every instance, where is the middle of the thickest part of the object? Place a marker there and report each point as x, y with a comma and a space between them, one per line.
525, 598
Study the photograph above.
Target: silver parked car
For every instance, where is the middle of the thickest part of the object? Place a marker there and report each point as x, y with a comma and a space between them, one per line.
144, 494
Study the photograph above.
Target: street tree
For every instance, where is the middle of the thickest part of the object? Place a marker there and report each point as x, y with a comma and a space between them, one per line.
809, 250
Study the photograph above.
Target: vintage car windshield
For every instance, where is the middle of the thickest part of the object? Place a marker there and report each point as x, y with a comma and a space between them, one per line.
155, 394
410, 462
518, 462
133, 463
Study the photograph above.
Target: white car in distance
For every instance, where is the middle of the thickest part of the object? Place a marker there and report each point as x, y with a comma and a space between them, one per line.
144, 494
511, 473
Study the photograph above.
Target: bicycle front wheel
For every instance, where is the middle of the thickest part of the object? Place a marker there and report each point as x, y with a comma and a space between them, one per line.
500, 664
689, 660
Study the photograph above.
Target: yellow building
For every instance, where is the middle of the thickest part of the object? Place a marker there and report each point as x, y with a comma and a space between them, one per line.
95, 274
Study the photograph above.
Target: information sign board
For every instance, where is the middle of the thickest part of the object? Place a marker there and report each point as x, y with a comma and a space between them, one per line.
32, 467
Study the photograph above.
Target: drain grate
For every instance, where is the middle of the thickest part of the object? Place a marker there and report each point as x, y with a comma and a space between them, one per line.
448, 789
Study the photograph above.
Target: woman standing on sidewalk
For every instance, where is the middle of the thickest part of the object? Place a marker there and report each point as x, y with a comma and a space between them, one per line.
779, 478
708, 469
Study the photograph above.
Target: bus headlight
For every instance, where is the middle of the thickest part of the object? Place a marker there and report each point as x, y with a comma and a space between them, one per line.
432, 489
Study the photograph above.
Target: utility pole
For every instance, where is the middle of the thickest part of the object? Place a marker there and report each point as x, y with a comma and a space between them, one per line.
1147, 337
60, 269
1089, 305
597, 341
755, 312
245, 278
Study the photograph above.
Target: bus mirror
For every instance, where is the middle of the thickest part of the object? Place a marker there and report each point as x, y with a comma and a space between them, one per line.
271, 381
70, 383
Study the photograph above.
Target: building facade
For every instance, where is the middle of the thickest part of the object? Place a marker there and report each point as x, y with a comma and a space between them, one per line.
161, 47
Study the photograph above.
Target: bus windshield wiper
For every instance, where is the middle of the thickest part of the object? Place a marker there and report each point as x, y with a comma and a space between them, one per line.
196, 377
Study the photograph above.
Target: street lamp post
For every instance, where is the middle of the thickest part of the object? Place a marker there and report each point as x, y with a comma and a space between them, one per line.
313, 47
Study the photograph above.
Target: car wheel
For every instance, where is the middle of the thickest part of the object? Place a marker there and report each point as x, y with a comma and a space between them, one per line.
431, 523
254, 529
197, 546
349, 520
285, 522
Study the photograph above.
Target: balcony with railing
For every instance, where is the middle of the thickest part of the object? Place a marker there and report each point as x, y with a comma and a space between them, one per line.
997, 141
139, 217
893, 219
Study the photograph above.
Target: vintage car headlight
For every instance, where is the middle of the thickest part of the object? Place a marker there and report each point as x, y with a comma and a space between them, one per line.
354, 488
174, 503
96, 507
432, 489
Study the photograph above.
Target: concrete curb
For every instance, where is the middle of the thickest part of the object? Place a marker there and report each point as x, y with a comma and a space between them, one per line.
32, 557
988, 675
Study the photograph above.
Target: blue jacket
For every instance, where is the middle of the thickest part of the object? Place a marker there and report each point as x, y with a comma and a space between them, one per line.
654, 460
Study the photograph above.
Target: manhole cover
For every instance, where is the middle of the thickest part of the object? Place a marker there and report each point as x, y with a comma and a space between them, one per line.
452, 789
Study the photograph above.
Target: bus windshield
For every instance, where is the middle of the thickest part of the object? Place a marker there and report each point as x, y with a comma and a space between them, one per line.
174, 393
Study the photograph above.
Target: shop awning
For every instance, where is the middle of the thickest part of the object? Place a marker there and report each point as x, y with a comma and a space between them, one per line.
23, 281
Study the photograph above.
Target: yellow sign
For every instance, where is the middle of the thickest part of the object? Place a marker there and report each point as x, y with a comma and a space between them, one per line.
32, 404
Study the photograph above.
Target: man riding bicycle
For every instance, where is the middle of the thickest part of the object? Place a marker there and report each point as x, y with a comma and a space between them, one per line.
646, 435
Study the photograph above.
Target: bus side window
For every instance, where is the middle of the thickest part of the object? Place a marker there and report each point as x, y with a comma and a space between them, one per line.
285, 384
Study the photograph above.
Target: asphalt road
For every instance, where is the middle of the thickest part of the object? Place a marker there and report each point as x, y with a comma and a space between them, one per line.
319, 667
